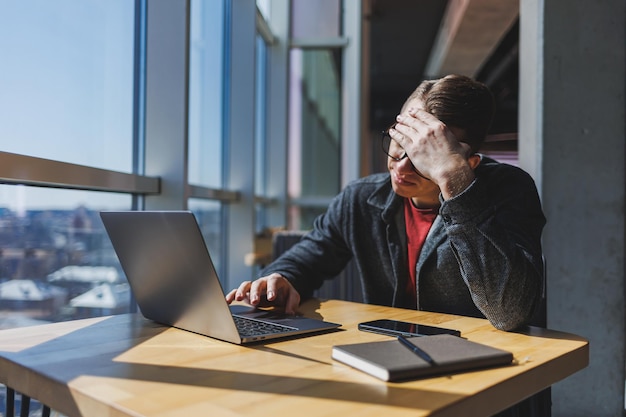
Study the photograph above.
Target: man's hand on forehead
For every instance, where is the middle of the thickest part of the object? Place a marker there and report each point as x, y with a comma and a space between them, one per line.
433, 148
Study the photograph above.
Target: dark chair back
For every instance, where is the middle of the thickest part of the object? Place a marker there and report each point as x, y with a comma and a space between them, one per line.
345, 286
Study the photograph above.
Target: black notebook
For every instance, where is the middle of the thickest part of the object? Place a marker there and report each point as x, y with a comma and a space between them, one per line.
392, 361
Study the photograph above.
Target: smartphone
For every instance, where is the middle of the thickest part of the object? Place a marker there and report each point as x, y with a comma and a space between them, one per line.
396, 328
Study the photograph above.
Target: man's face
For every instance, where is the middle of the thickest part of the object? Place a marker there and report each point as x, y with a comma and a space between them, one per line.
404, 180
407, 183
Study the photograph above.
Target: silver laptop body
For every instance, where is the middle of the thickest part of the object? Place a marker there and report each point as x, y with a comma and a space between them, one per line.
174, 281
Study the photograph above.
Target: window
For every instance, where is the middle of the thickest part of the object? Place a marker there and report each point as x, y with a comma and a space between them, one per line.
209, 216
206, 83
67, 81
314, 109
315, 132
90, 122
67, 95
205, 134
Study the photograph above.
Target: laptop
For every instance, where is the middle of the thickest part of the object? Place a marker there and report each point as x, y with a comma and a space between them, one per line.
174, 281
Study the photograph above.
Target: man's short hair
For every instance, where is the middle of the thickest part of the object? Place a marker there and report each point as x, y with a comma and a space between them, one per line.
461, 102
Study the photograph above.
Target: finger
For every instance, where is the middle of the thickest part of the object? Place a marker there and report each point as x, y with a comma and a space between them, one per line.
422, 122
411, 128
230, 297
400, 136
257, 290
408, 121
423, 116
273, 287
241, 293
429, 129
408, 137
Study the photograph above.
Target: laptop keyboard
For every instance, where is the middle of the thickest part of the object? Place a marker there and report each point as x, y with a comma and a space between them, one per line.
250, 327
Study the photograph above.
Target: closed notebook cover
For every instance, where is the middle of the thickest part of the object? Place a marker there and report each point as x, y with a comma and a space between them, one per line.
392, 361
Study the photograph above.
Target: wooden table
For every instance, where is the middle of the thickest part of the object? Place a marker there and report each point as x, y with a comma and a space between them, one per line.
127, 366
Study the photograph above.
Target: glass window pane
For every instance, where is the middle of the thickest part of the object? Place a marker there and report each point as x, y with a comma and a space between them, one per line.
261, 216
209, 216
302, 217
56, 260
315, 123
319, 18
205, 93
66, 80
265, 8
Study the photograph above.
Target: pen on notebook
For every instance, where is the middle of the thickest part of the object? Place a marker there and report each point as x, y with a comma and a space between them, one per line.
418, 351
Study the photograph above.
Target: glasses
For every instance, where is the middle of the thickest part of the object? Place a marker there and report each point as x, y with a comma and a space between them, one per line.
391, 147
395, 151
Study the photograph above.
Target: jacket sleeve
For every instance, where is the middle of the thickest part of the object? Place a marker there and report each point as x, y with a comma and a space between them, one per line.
321, 254
494, 229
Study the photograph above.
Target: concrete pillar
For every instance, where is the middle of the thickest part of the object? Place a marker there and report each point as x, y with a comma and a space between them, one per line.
572, 134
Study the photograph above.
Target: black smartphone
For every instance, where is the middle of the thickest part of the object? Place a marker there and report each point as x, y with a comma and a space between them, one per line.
396, 328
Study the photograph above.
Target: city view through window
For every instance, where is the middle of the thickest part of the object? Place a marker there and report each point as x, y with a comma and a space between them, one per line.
68, 94
57, 264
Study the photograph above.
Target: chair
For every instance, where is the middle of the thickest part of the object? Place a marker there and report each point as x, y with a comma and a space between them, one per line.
540, 319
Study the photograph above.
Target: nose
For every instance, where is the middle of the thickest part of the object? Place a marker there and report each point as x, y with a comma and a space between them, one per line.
405, 164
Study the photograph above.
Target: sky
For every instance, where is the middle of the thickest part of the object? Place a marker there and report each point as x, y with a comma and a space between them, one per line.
66, 90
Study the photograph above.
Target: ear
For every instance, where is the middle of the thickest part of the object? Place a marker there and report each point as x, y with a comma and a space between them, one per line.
474, 160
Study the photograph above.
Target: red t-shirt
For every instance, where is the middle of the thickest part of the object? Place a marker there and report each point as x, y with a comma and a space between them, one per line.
418, 223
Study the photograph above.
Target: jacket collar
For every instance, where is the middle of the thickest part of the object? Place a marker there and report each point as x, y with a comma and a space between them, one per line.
386, 200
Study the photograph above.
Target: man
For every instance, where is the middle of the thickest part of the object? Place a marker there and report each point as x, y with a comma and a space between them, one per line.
446, 230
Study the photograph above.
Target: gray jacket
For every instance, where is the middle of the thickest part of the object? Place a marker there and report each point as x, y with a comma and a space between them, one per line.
482, 256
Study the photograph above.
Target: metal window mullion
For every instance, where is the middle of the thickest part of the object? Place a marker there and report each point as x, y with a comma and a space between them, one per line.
319, 42
166, 104
139, 96
278, 114
352, 109
239, 136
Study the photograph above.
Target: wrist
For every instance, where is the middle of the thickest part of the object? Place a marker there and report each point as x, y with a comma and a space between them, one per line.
453, 182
